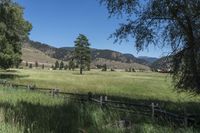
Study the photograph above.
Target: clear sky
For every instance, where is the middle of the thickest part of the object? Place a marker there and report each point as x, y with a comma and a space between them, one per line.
58, 23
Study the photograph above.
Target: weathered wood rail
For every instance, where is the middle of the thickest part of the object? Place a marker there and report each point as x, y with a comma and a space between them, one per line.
152, 110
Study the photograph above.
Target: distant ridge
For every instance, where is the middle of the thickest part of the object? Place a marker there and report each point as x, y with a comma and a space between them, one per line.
112, 58
148, 59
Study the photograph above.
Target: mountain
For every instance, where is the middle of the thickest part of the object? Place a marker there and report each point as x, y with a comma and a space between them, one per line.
148, 59
112, 58
163, 63
31, 55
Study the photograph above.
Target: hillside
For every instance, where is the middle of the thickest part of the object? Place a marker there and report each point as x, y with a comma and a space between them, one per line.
148, 59
30, 55
48, 54
163, 63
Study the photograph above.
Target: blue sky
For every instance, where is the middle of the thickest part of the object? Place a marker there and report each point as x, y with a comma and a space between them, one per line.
59, 22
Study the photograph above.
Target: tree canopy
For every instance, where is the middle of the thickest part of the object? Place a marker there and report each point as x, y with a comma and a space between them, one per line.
14, 29
71, 65
164, 22
57, 65
61, 65
82, 52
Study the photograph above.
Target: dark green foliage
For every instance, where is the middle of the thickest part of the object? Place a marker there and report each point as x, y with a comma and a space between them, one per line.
53, 67
163, 63
130, 70
66, 67
71, 65
13, 31
82, 52
112, 70
99, 66
61, 65
104, 67
172, 22
26, 64
30, 66
36, 64
57, 65
88, 65
42, 66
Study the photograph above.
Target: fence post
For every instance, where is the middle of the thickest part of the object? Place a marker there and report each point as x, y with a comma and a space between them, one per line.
10, 85
153, 111
53, 92
101, 100
106, 98
57, 92
28, 87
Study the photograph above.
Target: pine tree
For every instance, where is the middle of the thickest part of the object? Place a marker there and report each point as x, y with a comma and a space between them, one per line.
61, 65
66, 67
26, 64
42, 66
53, 67
104, 67
57, 65
36, 64
82, 52
30, 66
71, 65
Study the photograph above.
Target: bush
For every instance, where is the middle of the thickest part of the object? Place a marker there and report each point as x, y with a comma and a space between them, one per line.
30, 66
112, 70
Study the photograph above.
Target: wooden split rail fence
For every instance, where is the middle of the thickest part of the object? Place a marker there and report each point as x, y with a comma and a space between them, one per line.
152, 110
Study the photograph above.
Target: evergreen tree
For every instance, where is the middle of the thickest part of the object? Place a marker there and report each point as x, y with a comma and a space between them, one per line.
57, 65
66, 67
53, 67
104, 67
61, 65
42, 66
36, 64
13, 31
71, 65
26, 64
30, 66
82, 52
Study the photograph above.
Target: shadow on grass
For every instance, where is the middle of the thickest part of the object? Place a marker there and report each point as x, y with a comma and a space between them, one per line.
11, 76
69, 117
192, 109
37, 118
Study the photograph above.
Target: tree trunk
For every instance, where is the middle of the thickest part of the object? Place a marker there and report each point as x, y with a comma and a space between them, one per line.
81, 66
81, 70
192, 45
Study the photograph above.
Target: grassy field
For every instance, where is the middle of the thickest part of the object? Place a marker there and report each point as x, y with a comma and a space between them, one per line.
139, 85
25, 111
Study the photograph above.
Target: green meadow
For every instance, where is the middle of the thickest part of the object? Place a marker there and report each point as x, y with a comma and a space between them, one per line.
33, 112
135, 85
23, 111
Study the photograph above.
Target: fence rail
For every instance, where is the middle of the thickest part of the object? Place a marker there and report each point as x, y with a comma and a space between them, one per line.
152, 110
